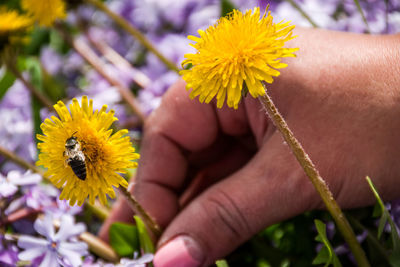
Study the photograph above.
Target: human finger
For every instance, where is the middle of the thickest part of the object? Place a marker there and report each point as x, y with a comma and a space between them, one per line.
226, 214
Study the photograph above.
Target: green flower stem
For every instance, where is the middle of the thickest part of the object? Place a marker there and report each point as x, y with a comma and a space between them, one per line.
133, 31
319, 184
362, 15
46, 102
95, 61
303, 13
375, 243
99, 211
138, 209
20, 161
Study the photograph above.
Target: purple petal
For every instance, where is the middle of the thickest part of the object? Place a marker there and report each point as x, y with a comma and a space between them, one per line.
7, 189
50, 260
68, 229
28, 242
74, 258
145, 258
31, 254
28, 178
14, 205
45, 227
9, 256
51, 60
81, 247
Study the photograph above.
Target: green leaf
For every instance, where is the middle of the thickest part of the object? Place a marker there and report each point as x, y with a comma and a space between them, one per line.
394, 257
6, 82
39, 37
188, 66
245, 90
145, 241
35, 71
124, 239
226, 7
57, 42
327, 254
221, 263
52, 87
33, 66
324, 256
12, 4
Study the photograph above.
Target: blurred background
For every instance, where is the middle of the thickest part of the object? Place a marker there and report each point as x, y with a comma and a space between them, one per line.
87, 53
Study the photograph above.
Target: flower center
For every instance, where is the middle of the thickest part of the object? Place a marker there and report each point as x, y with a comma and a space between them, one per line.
92, 147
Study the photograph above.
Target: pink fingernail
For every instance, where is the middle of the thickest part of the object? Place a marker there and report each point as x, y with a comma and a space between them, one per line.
182, 251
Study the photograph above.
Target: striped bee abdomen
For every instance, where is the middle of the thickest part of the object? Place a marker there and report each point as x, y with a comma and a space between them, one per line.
79, 167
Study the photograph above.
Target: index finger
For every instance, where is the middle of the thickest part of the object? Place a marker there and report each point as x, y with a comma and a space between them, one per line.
177, 127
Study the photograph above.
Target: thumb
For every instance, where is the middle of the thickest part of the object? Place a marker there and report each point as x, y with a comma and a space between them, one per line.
269, 188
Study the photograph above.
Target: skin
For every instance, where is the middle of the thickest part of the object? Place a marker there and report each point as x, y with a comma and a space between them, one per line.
221, 175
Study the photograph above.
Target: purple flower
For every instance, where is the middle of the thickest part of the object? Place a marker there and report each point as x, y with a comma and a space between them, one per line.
73, 63
395, 211
319, 11
63, 208
51, 60
202, 18
150, 97
8, 253
174, 46
394, 22
135, 262
58, 249
89, 261
16, 125
35, 197
9, 185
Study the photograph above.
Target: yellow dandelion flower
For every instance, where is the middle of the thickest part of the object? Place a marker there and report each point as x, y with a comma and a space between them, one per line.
238, 48
13, 26
82, 155
45, 11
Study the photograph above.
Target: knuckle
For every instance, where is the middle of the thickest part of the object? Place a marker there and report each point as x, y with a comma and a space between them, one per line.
226, 215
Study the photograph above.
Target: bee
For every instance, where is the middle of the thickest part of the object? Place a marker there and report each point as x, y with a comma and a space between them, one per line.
75, 157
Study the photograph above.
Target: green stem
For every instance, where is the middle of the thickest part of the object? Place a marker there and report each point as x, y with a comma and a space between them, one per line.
303, 13
100, 212
133, 31
20, 161
138, 209
319, 184
374, 241
46, 102
362, 15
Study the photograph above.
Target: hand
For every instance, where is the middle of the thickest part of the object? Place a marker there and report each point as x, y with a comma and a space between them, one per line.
215, 177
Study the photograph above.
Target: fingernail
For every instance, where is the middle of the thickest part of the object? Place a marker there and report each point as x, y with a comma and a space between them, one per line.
182, 251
